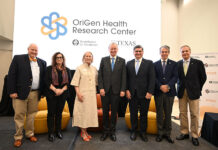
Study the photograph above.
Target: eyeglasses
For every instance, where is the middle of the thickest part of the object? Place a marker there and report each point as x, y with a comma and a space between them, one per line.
59, 57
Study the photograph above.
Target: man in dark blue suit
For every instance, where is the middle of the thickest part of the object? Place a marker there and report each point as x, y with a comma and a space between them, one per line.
25, 86
165, 91
192, 77
112, 85
140, 87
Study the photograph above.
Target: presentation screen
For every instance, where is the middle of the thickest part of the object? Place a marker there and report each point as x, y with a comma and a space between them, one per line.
73, 27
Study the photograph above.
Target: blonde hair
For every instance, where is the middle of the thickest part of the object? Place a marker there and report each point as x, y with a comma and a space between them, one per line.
85, 55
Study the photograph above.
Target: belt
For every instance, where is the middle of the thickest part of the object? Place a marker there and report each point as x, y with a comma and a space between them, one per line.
34, 89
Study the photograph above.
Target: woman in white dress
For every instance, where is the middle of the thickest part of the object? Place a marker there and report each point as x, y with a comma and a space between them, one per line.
85, 108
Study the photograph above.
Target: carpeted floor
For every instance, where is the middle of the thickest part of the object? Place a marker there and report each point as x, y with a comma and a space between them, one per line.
72, 141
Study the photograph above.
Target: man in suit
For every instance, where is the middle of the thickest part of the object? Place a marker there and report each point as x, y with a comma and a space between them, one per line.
25, 84
166, 72
140, 87
112, 85
192, 77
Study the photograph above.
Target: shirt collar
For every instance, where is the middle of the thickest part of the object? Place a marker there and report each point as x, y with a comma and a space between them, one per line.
188, 60
113, 57
164, 60
139, 60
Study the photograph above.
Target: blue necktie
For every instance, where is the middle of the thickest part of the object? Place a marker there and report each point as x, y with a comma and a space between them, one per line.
112, 64
137, 66
164, 66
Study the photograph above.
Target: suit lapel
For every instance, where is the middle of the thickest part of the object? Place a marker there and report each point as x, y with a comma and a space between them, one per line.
108, 61
190, 66
27, 62
140, 67
116, 63
168, 65
160, 67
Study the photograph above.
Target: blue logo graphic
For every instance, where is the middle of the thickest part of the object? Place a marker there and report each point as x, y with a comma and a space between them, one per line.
52, 25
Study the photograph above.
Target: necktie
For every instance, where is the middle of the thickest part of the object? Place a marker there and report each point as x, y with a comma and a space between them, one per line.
137, 66
33, 59
112, 64
185, 67
164, 66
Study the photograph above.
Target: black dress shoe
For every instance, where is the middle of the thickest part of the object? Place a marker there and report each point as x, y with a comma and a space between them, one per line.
133, 136
182, 136
113, 137
51, 137
59, 135
159, 138
195, 141
103, 136
143, 137
169, 139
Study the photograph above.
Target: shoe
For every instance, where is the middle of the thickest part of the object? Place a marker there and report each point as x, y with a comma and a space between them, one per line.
182, 136
159, 138
33, 139
144, 137
59, 135
89, 136
195, 141
84, 137
103, 136
17, 143
169, 139
133, 136
113, 137
51, 137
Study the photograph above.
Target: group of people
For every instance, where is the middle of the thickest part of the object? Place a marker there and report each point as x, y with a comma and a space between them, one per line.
139, 79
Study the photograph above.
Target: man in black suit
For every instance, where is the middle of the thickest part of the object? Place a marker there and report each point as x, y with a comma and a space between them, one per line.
112, 85
140, 87
192, 77
166, 72
25, 84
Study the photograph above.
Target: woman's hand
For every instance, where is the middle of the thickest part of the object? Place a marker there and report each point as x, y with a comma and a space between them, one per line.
80, 97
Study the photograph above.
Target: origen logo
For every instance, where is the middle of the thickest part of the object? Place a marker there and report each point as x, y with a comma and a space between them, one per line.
54, 25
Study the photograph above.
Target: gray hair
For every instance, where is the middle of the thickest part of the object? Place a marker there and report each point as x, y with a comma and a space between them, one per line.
113, 43
185, 46
166, 47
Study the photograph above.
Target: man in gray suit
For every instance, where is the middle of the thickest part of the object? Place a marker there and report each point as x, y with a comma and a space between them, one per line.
112, 85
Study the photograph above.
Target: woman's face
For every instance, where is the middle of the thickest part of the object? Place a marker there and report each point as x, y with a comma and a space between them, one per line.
59, 59
88, 58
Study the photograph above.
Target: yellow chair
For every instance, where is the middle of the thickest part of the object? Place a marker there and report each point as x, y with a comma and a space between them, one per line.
40, 122
152, 121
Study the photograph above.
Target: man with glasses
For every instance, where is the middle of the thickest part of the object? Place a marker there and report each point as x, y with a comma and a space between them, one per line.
140, 87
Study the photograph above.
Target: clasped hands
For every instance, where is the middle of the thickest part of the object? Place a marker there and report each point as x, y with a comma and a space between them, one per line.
147, 96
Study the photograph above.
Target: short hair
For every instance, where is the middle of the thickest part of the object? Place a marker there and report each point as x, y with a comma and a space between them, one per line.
138, 46
113, 43
166, 47
185, 46
85, 55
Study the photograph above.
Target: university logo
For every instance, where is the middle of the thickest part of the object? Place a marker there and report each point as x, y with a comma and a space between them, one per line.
54, 25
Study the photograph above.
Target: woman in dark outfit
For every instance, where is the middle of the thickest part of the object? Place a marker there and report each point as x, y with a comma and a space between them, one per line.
57, 81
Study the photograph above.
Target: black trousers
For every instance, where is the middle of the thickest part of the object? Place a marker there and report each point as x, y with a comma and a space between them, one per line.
109, 126
55, 106
164, 106
141, 104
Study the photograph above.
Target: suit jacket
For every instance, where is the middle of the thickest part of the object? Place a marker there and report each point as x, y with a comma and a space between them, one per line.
116, 79
144, 81
193, 81
169, 78
20, 76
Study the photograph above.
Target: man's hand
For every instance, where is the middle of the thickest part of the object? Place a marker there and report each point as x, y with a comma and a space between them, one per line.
164, 88
102, 92
14, 95
128, 94
148, 95
122, 93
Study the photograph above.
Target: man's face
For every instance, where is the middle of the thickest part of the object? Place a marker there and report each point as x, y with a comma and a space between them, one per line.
33, 51
186, 52
138, 52
164, 53
113, 49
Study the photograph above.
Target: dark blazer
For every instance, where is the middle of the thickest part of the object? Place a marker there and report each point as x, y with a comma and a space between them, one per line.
20, 76
116, 79
48, 82
193, 81
170, 77
144, 81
